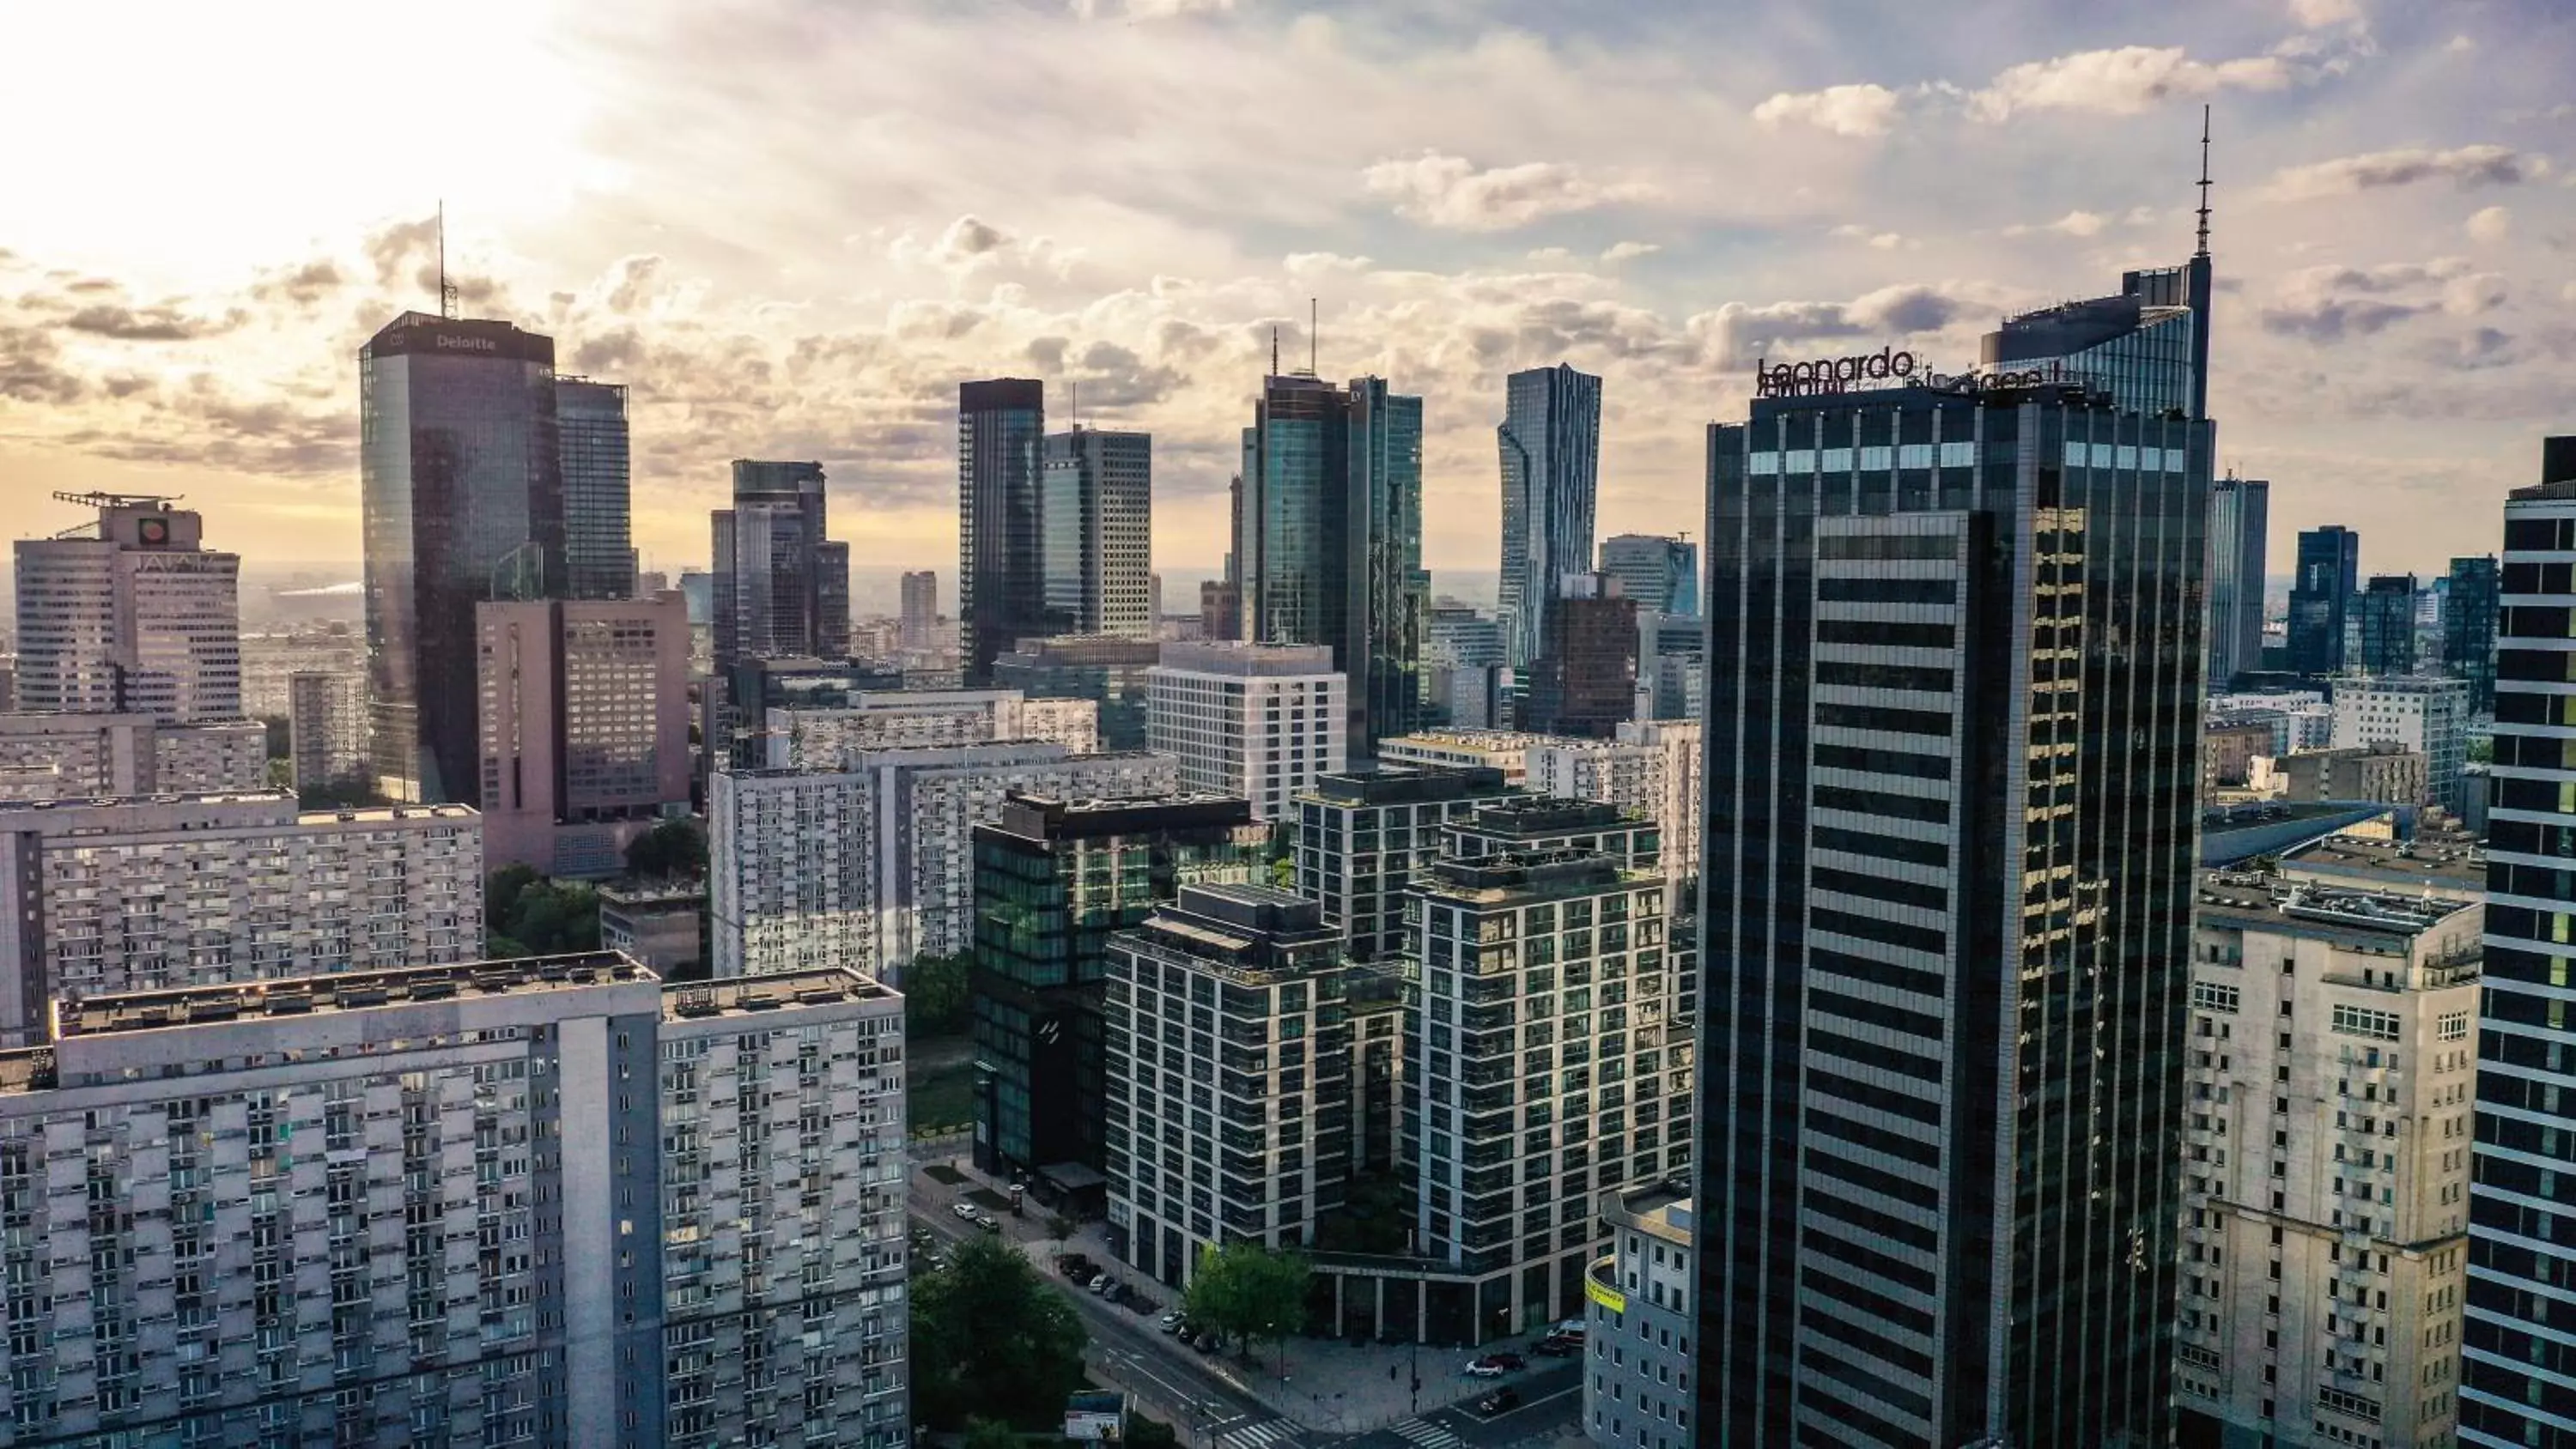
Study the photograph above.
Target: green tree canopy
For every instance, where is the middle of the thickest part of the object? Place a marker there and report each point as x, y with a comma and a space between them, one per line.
990, 1434
1250, 1292
525, 914
989, 1337
670, 850
934, 994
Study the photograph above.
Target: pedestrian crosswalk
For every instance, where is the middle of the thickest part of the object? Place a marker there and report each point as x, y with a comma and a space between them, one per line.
1259, 1436
1428, 1434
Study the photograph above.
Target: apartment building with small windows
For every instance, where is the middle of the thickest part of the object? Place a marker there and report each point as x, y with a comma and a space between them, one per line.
1256, 721
582, 728
1637, 1326
112, 896
2425, 713
94, 756
326, 723
2326, 1164
829, 737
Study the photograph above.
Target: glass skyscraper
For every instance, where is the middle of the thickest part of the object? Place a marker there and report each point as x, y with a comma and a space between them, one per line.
2239, 523
462, 498
1550, 442
1329, 546
2518, 1344
599, 544
1660, 574
2147, 346
772, 572
2321, 596
2469, 629
2387, 605
1953, 743
1001, 562
1096, 515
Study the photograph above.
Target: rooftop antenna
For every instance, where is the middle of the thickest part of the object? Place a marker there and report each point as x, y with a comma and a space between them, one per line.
1314, 315
446, 289
1274, 349
2204, 181
1077, 406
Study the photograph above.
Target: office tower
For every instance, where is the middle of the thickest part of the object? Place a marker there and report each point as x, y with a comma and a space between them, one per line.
1252, 1152
2239, 523
2517, 1386
1672, 666
2425, 713
1459, 634
1001, 550
1220, 609
920, 609
1585, 969
461, 471
139, 617
91, 756
2387, 615
144, 894
1583, 680
1111, 673
1154, 601
1638, 1324
321, 1157
1660, 575
598, 512
832, 599
1361, 839
829, 737
1257, 721
2321, 597
868, 866
1550, 445
584, 727
1940, 877
2326, 1182
2147, 346
770, 567
698, 586
1330, 543
326, 730
1096, 514
2469, 629
1054, 880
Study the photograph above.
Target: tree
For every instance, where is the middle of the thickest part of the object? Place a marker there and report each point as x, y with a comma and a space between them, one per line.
525, 914
934, 994
990, 1337
1144, 1433
1250, 1292
670, 850
1059, 1227
990, 1434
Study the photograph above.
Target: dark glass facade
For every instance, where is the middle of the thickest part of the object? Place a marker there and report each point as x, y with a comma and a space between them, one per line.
2517, 1371
599, 541
2239, 533
1096, 520
1110, 672
1053, 880
2469, 629
2321, 596
1953, 734
462, 500
1550, 444
2387, 607
1001, 560
1584, 682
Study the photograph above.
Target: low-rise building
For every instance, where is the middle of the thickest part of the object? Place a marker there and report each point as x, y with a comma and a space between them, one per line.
2325, 1172
662, 923
1637, 1356
2228, 749
1464, 749
2379, 774
830, 736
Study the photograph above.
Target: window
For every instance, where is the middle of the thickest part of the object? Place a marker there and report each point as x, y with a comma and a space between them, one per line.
2215, 996
2362, 1021
2455, 1025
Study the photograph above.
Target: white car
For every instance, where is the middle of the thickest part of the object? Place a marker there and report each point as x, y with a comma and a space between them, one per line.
1483, 1370
964, 1210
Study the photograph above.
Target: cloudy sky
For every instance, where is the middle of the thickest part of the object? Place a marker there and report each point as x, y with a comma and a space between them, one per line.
794, 225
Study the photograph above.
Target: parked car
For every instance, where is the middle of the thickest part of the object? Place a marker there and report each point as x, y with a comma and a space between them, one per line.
1173, 1322
1484, 1368
1500, 1401
965, 1210
1205, 1343
1571, 1328
1078, 1268
990, 1225
1557, 1345
1510, 1363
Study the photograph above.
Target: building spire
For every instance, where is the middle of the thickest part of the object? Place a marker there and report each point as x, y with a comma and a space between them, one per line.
1274, 349
2204, 182
446, 289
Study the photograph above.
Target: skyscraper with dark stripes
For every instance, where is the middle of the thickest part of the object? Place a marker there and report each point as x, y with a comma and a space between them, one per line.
1550, 442
1001, 538
1953, 725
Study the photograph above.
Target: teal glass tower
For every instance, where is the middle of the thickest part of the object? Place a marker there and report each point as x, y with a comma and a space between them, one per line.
1550, 443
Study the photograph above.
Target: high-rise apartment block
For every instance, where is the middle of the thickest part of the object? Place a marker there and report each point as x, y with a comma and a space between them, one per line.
920, 609
1948, 866
2517, 1380
868, 866
1054, 880
1244, 1145
326, 730
1256, 721
1112, 673
1659, 575
461, 472
1636, 1387
1329, 540
139, 617
2386, 608
2321, 598
598, 507
584, 721
1001, 534
1363, 837
96, 756
1550, 444
2469, 628
2325, 1164
2240, 515
1096, 508
770, 567
2425, 713
542, 1201
101, 897
1651, 769
1583, 680
830, 737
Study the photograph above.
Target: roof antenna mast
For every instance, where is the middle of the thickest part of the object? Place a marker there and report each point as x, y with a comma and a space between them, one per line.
1314, 315
1274, 350
2204, 180
446, 289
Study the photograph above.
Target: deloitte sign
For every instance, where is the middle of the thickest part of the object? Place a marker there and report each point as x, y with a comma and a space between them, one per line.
1830, 374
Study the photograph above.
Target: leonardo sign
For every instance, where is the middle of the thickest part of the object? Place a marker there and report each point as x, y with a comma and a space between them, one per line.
1828, 375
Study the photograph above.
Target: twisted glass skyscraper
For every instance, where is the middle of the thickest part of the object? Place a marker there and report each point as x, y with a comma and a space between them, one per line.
1550, 442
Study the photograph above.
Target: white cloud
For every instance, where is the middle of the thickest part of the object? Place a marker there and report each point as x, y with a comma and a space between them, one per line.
2120, 82
2460, 45
1145, 9
2463, 166
1326, 264
1629, 251
2315, 14
1885, 241
1450, 192
2567, 293
2490, 224
1853, 110
2074, 223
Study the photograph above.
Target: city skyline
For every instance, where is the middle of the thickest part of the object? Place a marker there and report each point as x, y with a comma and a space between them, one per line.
2388, 207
